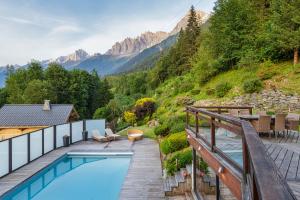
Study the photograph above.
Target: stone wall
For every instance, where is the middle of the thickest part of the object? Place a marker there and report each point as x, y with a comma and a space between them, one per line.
270, 100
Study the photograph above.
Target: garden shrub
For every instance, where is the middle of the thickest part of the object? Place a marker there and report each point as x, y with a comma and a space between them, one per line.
176, 123
161, 130
177, 127
222, 89
121, 125
144, 107
185, 87
174, 142
129, 117
252, 85
195, 91
210, 91
178, 160
265, 75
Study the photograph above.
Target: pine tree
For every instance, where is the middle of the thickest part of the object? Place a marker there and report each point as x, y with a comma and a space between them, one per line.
285, 22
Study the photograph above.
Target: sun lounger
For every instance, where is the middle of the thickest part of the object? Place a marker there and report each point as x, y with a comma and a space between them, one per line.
98, 137
111, 134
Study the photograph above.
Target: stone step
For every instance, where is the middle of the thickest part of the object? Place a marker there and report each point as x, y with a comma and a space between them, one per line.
189, 168
179, 177
167, 187
172, 181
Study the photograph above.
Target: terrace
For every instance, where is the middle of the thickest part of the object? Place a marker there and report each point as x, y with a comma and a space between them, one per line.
243, 165
23, 156
249, 166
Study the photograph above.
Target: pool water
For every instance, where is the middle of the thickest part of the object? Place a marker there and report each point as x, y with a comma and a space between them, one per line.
236, 156
75, 177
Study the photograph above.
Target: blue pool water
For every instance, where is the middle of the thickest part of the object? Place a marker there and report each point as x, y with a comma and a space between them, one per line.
236, 156
75, 178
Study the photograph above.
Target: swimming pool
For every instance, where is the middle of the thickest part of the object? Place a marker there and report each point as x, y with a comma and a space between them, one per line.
236, 156
75, 177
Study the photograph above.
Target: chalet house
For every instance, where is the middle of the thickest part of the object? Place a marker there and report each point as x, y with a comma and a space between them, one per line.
16, 119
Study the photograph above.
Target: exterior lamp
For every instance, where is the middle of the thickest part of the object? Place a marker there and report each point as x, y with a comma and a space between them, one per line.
221, 170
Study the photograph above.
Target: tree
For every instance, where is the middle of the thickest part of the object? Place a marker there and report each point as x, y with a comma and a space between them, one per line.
233, 29
78, 90
35, 71
58, 79
285, 24
36, 92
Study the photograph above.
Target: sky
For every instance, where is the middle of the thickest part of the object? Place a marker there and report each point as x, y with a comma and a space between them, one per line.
44, 29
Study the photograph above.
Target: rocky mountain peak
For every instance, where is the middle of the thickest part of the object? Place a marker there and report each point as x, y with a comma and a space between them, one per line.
201, 16
132, 46
78, 55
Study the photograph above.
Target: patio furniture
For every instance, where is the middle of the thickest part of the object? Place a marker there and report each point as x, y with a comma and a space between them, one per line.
279, 123
261, 112
233, 112
244, 112
111, 134
263, 124
98, 137
292, 122
135, 134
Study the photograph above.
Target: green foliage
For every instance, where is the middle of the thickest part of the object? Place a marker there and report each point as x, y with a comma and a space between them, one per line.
252, 85
195, 91
144, 107
284, 24
36, 92
174, 142
161, 130
129, 117
102, 113
210, 91
33, 85
177, 60
222, 89
178, 160
233, 29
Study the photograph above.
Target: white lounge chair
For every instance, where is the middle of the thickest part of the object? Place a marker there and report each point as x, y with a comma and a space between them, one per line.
110, 133
98, 137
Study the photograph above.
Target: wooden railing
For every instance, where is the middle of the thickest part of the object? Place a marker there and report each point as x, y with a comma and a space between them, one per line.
258, 178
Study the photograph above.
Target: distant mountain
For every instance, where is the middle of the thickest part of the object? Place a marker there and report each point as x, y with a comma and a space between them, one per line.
201, 16
103, 64
70, 60
133, 46
147, 58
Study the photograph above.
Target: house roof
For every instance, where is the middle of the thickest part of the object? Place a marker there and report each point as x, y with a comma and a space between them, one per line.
16, 115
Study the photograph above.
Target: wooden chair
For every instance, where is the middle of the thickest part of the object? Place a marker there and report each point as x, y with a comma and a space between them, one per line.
292, 122
263, 125
279, 124
261, 112
244, 112
233, 112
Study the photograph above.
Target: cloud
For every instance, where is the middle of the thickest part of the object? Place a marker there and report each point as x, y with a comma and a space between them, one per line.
65, 28
19, 20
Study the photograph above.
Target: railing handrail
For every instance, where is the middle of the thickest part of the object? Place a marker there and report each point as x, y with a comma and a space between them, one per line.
268, 182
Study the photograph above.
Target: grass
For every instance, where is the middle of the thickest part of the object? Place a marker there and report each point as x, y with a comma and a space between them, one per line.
148, 132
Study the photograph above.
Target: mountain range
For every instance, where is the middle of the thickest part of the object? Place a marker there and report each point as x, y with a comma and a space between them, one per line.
130, 54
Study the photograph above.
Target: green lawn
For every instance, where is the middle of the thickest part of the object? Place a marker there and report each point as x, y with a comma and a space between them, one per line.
148, 132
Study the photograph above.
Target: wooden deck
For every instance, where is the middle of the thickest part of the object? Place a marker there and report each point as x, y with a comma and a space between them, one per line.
284, 151
144, 178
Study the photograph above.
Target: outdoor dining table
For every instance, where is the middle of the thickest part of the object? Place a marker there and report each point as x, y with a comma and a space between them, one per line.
253, 117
